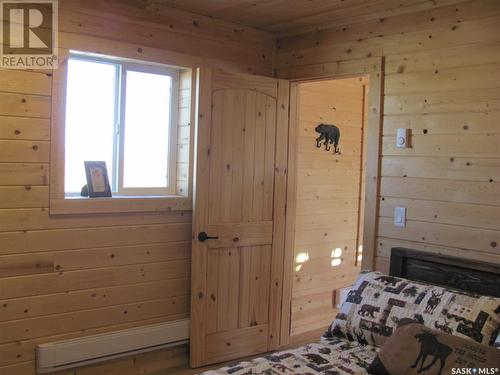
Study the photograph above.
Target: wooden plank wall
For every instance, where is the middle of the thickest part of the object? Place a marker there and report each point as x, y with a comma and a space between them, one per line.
185, 131
442, 80
69, 276
328, 200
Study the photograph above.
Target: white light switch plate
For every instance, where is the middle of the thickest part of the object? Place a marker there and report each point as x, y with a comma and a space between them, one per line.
400, 217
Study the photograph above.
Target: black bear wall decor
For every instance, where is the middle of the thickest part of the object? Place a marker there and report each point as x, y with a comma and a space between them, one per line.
329, 134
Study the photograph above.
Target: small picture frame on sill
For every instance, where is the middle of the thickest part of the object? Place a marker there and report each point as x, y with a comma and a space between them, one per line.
97, 179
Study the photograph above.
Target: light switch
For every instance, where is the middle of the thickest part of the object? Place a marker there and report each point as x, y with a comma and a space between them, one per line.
402, 138
400, 217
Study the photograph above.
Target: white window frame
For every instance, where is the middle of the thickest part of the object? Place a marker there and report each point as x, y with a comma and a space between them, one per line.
121, 68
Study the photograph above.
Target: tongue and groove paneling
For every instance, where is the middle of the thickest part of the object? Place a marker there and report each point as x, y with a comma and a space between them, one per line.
327, 201
75, 275
442, 82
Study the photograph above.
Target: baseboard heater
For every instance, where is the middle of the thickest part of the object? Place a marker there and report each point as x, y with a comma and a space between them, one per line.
87, 350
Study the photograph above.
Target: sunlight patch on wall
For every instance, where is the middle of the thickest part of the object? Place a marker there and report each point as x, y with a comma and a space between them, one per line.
360, 253
300, 259
336, 257
336, 262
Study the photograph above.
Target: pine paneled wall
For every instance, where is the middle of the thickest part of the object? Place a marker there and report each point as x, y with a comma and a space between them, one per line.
442, 80
328, 200
68, 276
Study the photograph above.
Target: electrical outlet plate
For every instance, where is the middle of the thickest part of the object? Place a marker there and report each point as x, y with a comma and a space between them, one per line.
400, 217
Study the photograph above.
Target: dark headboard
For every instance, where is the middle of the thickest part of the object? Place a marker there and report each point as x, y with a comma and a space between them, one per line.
463, 274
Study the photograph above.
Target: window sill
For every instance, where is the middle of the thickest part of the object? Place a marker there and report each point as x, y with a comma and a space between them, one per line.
119, 204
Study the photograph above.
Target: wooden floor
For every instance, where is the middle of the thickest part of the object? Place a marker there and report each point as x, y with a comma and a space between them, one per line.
297, 341
186, 370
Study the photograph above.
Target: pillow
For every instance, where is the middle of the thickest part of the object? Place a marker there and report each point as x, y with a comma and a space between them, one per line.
377, 303
415, 348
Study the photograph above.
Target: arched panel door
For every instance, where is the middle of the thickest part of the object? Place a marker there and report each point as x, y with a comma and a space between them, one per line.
239, 216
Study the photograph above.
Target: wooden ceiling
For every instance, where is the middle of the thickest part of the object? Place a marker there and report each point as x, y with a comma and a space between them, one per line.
291, 16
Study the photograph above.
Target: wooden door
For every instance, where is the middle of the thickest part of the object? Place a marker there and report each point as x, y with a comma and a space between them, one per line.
240, 194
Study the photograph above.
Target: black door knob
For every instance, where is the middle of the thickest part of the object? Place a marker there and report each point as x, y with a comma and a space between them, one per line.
203, 236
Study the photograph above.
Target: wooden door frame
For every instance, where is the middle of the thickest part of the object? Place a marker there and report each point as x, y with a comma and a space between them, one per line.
200, 211
373, 68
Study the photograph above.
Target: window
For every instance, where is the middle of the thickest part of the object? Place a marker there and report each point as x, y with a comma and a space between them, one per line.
123, 113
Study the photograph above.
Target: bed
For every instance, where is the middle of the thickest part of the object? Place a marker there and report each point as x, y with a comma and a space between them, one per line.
341, 353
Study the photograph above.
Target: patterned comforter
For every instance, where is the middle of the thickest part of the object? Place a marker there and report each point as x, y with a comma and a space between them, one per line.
374, 308
330, 356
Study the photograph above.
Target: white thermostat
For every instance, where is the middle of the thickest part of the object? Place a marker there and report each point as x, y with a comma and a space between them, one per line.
402, 138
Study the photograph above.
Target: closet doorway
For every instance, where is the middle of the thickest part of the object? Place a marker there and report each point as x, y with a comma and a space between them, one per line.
326, 198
